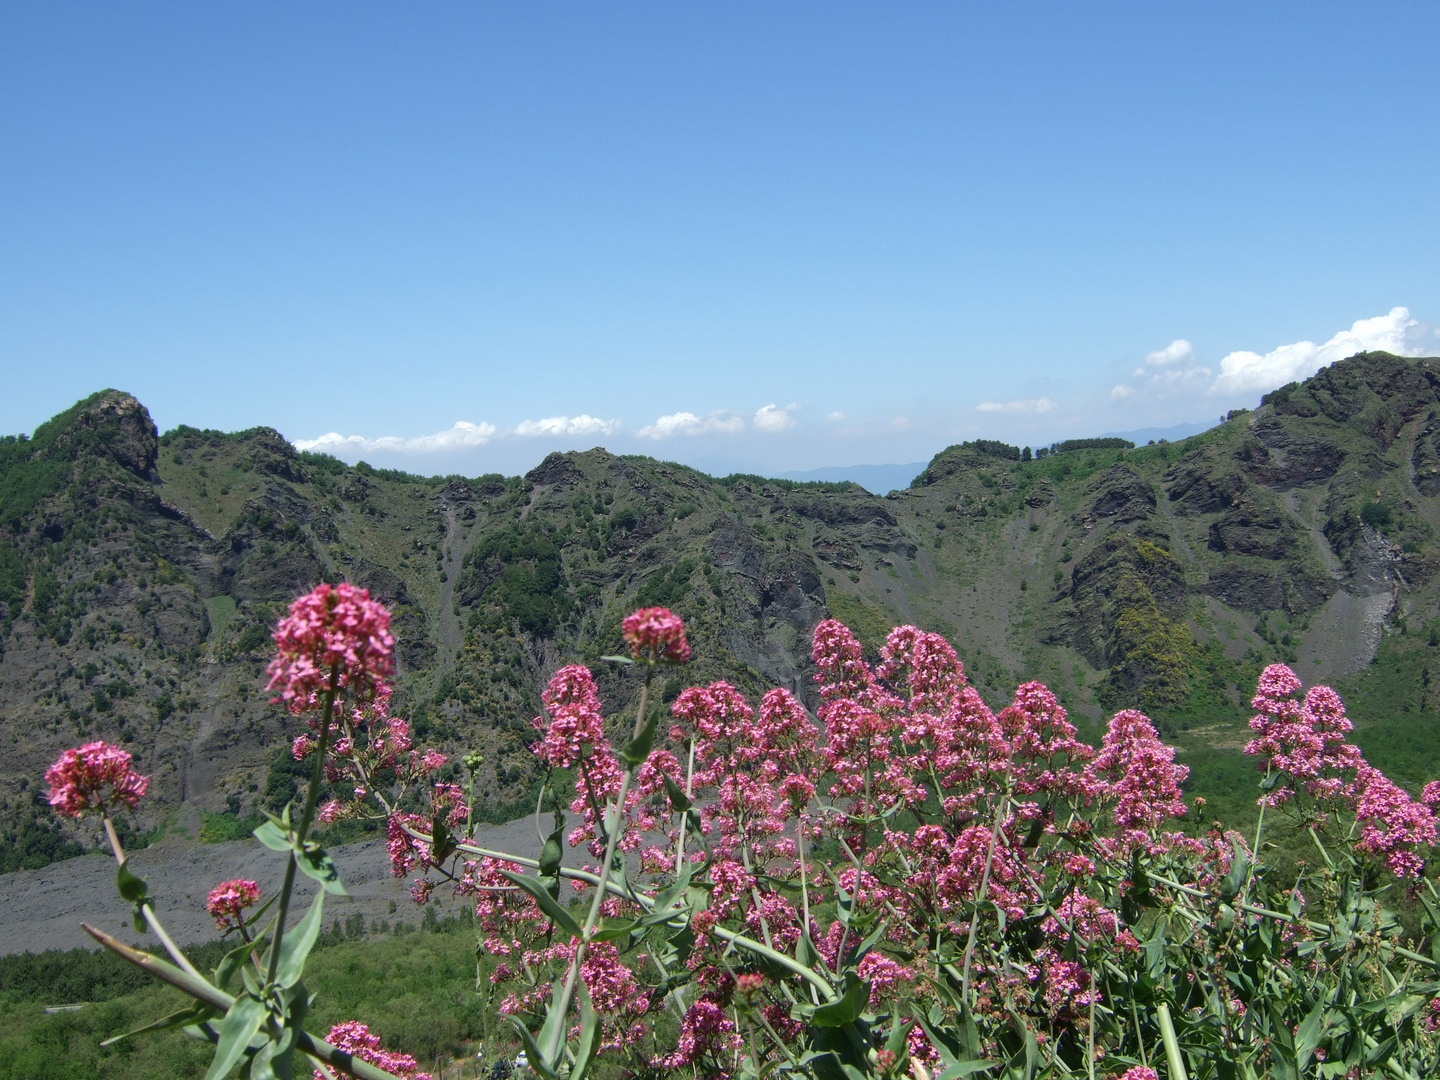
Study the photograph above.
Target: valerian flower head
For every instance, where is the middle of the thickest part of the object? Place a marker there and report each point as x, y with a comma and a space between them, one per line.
1141, 773
575, 729
97, 776
928, 663
334, 631
356, 1039
229, 899
656, 633
1391, 825
842, 670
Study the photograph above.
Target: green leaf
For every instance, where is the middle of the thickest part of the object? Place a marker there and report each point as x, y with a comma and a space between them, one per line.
618, 659
844, 903
679, 946
589, 1033
272, 836
548, 903
231, 964
192, 1014
552, 852
1307, 1038
964, 1068
317, 866
615, 933
1239, 872
676, 890
131, 887
869, 942
236, 1030
805, 951
679, 801
260, 911
274, 1060
532, 1052
637, 749
846, 1010
899, 1032
137, 917
296, 945
970, 1031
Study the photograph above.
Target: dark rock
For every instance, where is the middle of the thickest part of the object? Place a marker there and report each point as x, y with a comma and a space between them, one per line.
1120, 494
1281, 459
1198, 486
1042, 494
839, 554
121, 425
274, 456
1120, 573
557, 470
1255, 526
845, 510
1425, 457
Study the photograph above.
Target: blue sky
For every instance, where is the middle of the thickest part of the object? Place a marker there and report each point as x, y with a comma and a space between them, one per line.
743, 236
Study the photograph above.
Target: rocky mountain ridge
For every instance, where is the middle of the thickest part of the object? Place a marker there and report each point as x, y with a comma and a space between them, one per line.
139, 575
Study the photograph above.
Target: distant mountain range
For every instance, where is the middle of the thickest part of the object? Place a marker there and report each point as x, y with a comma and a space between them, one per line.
140, 574
1174, 433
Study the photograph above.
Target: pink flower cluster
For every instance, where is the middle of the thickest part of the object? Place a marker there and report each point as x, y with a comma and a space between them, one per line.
356, 1039
229, 899
707, 1038
335, 638
656, 633
1305, 741
1140, 772
946, 812
575, 729
97, 776
366, 746
1392, 826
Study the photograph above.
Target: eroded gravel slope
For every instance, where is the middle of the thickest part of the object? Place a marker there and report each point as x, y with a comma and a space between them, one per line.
42, 909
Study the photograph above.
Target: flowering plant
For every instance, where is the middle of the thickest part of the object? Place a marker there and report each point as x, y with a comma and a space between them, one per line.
901, 882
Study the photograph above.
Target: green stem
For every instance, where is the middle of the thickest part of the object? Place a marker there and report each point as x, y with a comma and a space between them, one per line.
1259, 824
566, 992
980, 894
1172, 1044
684, 818
151, 919
311, 797
740, 941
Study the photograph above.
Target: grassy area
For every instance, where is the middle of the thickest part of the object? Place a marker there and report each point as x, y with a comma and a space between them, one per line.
416, 990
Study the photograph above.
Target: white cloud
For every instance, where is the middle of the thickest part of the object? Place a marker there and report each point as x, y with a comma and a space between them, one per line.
1248, 372
835, 416
1166, 373
1029, 405
463, 435
772, 419
1178, 351
557, 426
687, 423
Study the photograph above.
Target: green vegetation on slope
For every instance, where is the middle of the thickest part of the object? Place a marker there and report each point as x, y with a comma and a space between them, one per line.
139, 577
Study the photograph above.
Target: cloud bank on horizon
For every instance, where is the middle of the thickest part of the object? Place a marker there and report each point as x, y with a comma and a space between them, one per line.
1166, 373
1175, 368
